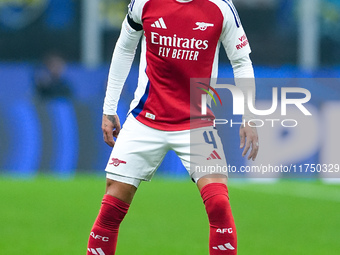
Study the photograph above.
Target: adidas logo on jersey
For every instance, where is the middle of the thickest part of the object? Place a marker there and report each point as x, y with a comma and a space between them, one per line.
224, 247
214, 155
159, 23
97, 251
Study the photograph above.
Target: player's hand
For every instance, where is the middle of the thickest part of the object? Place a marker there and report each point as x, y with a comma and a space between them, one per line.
249, 138
111, 128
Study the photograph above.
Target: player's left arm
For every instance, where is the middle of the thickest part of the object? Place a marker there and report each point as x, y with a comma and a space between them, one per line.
237, 48
249, 139
245, 80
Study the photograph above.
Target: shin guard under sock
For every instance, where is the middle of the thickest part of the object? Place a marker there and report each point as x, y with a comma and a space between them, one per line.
222, 238
104, 233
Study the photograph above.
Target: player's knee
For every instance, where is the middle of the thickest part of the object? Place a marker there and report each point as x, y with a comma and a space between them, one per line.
217, 207
120, 190
216, 200
112, 213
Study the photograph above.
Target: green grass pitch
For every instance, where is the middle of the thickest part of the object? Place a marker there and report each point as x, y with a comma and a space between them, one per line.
50, 216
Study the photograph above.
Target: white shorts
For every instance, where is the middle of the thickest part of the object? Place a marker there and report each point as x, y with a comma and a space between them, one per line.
139, 150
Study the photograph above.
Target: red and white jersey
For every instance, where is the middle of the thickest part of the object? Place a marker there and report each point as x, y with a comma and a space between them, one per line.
181, 41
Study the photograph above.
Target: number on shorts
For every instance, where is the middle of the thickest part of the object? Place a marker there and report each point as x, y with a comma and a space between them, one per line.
210, 139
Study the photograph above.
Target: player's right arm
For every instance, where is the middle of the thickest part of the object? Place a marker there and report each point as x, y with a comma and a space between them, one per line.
121, 62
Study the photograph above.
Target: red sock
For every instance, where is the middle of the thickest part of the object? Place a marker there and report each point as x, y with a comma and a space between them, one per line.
104, 233
222, 239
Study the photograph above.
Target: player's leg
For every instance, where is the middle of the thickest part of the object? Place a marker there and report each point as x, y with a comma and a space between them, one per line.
135, 157
122, 191
204, 159
115, 205
222, 236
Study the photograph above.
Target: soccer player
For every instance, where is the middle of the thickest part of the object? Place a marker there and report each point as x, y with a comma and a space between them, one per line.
180, 40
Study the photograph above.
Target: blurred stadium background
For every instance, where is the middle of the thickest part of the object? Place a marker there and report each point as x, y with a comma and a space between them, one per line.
52, 155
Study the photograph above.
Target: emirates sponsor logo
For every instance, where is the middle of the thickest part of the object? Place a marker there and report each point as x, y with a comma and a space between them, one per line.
177, 47
178, 42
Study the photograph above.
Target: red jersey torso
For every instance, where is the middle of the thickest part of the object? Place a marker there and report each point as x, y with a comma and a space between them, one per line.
181, 41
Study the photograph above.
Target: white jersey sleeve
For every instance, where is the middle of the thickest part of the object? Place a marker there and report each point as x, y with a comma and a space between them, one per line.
237, 47
244, 80
136, 10
233, 36
123, 55
122, 59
